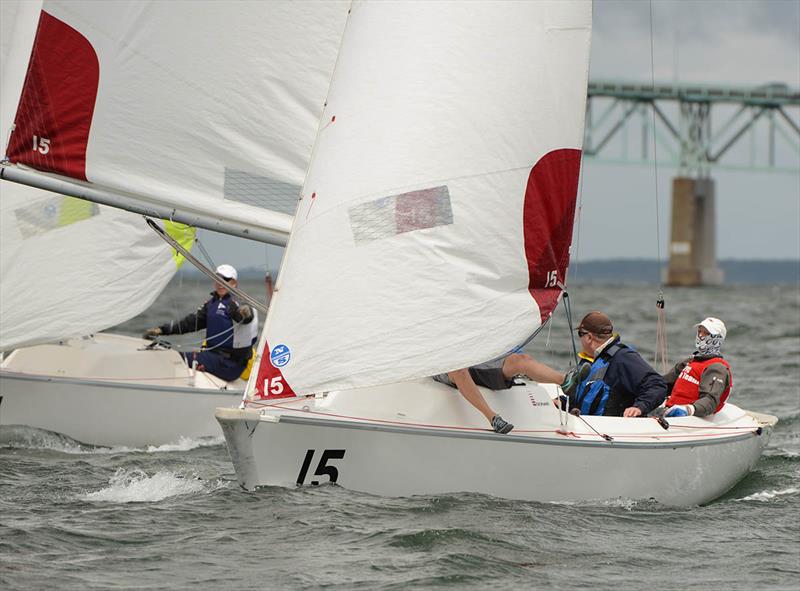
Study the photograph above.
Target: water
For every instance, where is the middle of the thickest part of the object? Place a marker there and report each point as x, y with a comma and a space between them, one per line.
78, 517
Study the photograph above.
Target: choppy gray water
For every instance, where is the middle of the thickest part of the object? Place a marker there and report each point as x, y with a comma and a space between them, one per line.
76, 517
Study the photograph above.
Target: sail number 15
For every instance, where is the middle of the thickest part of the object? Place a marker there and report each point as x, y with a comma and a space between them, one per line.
323, 469
41, 144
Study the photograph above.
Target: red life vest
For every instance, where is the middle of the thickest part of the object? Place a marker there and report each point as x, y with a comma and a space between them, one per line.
687, 387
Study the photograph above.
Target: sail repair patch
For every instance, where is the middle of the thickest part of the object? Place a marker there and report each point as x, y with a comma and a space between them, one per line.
280, 355
398, 214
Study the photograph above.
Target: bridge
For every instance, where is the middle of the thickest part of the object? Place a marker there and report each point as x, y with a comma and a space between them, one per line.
671, 125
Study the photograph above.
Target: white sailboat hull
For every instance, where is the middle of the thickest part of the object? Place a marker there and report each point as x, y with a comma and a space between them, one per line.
398, 457
105, 390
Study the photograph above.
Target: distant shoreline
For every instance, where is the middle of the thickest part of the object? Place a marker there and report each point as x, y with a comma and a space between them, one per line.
737, 271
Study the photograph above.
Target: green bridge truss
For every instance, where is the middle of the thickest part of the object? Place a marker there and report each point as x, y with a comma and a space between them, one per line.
754, 128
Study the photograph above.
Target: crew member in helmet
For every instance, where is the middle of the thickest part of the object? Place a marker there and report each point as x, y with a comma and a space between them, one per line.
231, 330
700, 384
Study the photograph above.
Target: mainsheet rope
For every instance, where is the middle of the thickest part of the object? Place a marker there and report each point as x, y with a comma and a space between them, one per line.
660, 357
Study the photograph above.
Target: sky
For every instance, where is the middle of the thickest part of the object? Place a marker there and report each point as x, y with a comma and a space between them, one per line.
728, 42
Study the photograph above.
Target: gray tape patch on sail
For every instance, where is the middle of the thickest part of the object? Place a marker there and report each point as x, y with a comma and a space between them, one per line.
261, 191
398, 214
55, 212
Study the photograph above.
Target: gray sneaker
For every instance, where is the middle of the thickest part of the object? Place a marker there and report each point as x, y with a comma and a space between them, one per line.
501, 426
574, 377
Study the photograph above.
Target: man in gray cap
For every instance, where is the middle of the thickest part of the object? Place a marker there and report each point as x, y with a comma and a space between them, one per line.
700, 384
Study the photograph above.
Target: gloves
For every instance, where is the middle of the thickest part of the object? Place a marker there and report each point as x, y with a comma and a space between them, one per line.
152, 333
680, 410
243, 313
246, 312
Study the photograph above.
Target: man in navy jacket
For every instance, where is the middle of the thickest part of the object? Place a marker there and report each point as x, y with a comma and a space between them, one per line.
619, 382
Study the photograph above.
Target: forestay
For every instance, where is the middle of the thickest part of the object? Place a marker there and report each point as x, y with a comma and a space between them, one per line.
68, 267
204, 108
437, 213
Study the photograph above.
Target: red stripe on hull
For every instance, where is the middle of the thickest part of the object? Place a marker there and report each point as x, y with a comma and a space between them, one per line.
57, 102
548, 216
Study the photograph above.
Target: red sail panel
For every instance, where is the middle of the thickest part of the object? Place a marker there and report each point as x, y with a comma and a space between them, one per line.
548, 216
271, 383
57, 102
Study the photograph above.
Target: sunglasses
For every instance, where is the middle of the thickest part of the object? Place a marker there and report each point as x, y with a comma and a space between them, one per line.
582, 333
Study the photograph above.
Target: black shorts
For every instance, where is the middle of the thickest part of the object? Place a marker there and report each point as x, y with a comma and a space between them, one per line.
490, 377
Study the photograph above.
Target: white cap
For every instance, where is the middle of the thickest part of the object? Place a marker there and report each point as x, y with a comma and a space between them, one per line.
713, 325
227, 272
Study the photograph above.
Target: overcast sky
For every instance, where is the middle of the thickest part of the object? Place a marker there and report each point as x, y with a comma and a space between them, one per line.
730, 42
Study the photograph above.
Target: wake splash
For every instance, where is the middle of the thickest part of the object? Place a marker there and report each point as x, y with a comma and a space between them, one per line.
186, 444
22, 437
626, 504
136, 486
768, 495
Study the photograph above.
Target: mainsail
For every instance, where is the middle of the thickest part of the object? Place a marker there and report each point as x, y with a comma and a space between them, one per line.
68, 267
204, 113
196, 111
437, 212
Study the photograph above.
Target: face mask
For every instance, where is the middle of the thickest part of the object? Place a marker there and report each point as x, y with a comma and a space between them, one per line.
708, 345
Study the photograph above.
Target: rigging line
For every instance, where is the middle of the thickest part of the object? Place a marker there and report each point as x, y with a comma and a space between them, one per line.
568, 312
208, 272
655, 147
661, 321
192, 344
585, 422
204, 251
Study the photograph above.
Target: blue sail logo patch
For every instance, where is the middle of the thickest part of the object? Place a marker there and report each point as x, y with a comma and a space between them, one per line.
280, 355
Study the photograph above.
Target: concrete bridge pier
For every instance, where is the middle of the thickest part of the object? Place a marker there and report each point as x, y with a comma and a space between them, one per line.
693, 250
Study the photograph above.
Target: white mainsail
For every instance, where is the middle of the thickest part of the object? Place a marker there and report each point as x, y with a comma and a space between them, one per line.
437, 212
196, 109
202, 110
68, 267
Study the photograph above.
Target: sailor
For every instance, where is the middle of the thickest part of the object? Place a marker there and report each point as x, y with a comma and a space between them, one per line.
500, 375
619, 382
700, 384
231, 330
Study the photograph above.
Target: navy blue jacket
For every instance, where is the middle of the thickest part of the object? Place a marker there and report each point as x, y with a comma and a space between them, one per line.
216, 315
633, 383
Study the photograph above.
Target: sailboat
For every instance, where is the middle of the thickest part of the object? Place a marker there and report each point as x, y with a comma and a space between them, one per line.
198, 115
433, 235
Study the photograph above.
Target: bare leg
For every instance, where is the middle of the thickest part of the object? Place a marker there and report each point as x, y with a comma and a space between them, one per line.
466, 386
535, 370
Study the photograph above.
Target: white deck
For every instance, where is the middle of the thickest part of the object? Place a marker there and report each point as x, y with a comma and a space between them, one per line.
110, 390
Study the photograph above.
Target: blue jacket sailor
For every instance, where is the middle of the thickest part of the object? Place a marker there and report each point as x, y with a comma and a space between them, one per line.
231, 330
